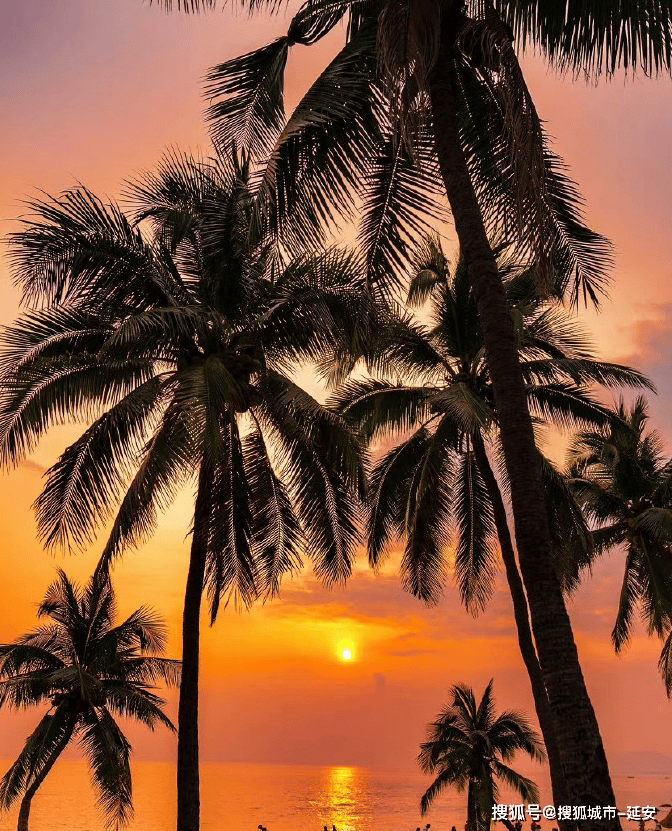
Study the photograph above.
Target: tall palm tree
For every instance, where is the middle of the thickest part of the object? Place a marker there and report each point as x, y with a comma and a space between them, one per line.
623, 482
469, 746
89, 669
172, 334
439, 478
452, 90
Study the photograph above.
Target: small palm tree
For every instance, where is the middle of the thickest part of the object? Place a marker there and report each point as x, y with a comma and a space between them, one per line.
89, 670
469, 746
623, 482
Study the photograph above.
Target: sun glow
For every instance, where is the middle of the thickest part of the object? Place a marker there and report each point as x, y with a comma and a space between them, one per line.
346, 654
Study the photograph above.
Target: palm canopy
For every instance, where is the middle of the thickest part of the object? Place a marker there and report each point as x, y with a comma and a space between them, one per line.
611, 36
623, 483
339, 150
430, 394
172, 334
471, 746
89, 669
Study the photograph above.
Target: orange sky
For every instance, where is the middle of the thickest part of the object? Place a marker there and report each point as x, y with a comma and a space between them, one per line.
93, 91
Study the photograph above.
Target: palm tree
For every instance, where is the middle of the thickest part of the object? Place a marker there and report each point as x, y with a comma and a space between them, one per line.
89, 669
469, 746
451, 98
172, 335
624, 485
438, 478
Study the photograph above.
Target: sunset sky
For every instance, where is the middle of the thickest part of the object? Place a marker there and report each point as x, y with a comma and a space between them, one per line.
93, 91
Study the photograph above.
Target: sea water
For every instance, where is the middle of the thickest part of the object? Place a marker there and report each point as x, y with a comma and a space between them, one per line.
240, 797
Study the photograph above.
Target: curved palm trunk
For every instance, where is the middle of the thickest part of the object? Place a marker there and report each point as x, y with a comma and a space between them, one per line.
578, 735
26, 802
525, 641
188, 796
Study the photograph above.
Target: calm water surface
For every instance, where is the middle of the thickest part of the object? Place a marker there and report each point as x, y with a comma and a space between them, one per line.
281, 797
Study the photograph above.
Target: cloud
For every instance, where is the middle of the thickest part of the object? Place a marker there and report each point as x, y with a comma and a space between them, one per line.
29, 464
652, 337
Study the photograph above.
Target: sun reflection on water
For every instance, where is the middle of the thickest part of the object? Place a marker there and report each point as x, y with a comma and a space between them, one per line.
341, 797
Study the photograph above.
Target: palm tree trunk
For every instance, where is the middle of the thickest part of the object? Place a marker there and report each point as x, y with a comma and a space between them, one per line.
525, 641
472, 820
578, 735
188, 795
31, 790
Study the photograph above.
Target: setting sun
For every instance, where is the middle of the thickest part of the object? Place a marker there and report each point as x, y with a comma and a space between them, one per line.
346, 654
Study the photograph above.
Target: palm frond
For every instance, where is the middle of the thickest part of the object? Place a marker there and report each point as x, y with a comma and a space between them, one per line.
311, 175
319, 459
246, 95
400, 201
231, 569
46, 742
522, 785
380, 409
585, 372
108, 753
76, 249
476, 554
87, 478
57, 391
131, 700
429, 268
665, 664
168, 461
428, 507
277, 537
601, 40
580, 258
630, 591
387, 495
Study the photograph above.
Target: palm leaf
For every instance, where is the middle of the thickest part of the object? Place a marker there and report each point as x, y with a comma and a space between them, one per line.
247, 92
312, 173
605, 38
476, 555
320, 462
86, 480
108, 753
277, 537
428, 507
47, 740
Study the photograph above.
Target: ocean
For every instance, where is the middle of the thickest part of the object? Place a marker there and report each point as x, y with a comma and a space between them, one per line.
239, 797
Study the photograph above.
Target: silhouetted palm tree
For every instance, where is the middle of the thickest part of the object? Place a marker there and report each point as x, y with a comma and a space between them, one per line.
444, 77
439, 478
171, 333
469, 747
624, 484
89, 669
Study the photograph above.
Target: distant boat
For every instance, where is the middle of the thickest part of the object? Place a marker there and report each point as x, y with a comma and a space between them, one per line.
631, 777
